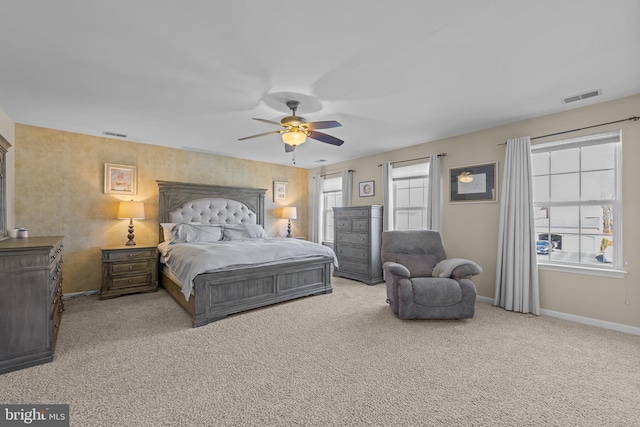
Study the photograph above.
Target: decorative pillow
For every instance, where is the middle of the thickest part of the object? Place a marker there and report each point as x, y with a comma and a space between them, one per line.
244, 231
445, 267
192, 233
167, 230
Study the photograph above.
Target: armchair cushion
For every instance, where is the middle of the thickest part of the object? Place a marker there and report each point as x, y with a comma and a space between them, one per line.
436, 292
456, 267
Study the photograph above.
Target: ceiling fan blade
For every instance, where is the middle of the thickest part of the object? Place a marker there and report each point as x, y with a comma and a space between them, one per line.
258, 135
323, 125
288, 148
268, 121
325, 138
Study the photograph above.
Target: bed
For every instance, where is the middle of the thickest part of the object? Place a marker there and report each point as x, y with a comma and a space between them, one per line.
222, 290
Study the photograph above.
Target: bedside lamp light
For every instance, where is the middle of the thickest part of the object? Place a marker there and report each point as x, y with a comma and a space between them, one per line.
289, 212
131, 210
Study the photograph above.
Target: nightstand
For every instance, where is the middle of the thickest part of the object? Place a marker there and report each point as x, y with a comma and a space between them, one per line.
128, 269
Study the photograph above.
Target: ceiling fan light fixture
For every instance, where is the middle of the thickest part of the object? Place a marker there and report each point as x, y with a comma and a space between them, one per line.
294, 137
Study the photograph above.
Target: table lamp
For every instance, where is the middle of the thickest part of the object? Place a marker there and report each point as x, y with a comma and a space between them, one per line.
130, 210
289, 212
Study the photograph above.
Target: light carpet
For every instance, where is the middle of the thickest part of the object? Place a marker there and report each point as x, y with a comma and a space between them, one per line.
340, 359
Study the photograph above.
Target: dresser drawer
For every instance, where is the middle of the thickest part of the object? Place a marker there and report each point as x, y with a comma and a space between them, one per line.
360, 224
352, 252
351, 212
353, 238
354, 267
343, 224
123, 255
129, 267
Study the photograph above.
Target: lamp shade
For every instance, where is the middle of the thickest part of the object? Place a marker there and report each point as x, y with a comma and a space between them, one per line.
294, 138
289, 212
131, 210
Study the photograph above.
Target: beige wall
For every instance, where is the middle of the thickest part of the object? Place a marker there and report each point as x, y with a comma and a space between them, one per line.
59, 191
471, 230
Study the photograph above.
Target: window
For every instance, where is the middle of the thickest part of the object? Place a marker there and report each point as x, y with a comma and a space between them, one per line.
331, 198
410, 188
576, 186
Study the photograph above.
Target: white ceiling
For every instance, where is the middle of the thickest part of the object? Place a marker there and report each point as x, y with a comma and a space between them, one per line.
192, 74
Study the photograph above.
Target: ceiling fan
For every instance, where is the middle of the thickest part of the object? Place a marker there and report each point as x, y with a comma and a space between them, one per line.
296, 129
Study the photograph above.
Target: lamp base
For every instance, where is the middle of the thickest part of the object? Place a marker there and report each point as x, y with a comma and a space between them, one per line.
288, 230
130, 235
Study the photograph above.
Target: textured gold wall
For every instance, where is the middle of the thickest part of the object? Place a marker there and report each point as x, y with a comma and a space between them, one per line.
59, 184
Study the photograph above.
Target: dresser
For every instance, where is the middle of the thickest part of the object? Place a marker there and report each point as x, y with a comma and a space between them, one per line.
357, 240
30, 300
128, 269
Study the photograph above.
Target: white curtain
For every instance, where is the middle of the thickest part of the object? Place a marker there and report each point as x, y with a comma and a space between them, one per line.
347, 187
434, 194
316, 233
517, 265
387, 196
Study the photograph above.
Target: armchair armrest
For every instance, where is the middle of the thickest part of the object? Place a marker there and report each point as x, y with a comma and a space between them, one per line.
456, 268
397, 269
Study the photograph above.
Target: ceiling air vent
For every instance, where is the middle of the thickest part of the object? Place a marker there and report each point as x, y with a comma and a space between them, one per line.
582, 96
117, 135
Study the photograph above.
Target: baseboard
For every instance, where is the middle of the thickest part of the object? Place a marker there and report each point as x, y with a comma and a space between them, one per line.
79, 294
579, 319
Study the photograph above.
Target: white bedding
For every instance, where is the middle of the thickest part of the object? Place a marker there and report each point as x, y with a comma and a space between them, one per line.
187, 260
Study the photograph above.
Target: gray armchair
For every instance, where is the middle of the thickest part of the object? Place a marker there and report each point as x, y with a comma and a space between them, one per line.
421, 282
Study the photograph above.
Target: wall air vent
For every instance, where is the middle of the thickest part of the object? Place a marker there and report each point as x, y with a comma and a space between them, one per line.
117, 135
582, 96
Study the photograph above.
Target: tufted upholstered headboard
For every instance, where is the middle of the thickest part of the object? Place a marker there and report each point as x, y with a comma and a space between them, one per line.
210, 204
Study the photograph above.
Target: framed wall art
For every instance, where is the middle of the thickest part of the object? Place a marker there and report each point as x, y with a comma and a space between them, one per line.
120, 179
474, 183
279, 191
367, 189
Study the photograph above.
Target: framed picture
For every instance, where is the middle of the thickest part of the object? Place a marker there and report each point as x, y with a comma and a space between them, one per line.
279, 191
474, 183
367, 188
120, 179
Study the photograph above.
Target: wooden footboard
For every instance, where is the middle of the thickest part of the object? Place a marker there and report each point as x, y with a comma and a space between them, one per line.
218, 294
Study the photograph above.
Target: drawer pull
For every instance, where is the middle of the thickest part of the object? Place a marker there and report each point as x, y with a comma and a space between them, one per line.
129, 280
131, 267
130, 255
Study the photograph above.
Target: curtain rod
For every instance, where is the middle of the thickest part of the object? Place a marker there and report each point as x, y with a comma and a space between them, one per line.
333, 173
417, 158
634, 118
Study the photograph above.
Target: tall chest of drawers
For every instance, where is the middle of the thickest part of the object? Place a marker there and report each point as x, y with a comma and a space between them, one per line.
30, 300
357, 240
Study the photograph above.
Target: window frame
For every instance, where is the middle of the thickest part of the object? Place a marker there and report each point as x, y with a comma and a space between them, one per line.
328, 212
423, 209
615, 269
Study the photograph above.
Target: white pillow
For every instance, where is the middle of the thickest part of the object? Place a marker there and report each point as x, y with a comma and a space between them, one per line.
191, 233
244, 231
167, 230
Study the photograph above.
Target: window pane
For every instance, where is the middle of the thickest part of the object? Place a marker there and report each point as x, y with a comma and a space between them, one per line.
565, 187
598, 185
417, 197
565, 160
541, 188
540, 163
564, 219
402, 198
598, 157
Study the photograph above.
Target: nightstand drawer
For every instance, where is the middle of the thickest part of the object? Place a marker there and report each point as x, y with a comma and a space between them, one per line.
130, 267
122, 255
129, 281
